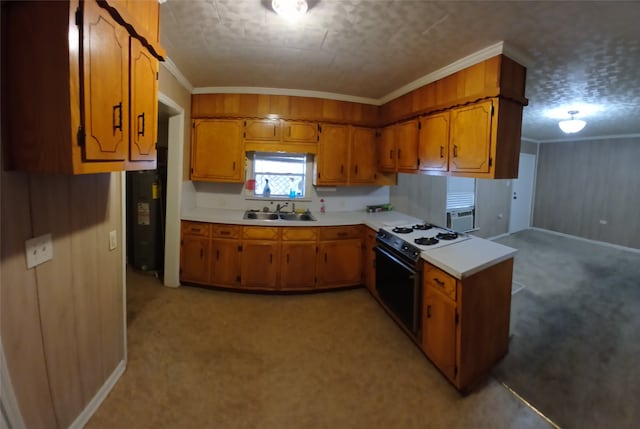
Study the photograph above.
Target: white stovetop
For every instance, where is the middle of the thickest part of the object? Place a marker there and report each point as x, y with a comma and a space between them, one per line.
461, 259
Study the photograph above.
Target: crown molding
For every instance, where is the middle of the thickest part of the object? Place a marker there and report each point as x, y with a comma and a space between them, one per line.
171, 67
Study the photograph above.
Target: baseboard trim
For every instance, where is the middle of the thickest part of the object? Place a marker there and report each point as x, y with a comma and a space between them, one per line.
588, 240
99, 397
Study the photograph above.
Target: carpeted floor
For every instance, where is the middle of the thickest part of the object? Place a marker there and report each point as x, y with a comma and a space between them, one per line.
575, 346
213, 359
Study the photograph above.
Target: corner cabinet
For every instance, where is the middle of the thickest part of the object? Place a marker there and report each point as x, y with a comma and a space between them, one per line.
217, 152
465, 323
71, 106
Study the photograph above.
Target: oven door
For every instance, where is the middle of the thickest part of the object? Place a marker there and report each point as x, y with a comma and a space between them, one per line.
398, 285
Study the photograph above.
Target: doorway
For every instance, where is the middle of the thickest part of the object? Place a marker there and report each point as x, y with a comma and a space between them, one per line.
522, 194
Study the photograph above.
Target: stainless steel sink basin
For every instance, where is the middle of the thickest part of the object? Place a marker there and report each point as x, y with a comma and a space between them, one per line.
255, 215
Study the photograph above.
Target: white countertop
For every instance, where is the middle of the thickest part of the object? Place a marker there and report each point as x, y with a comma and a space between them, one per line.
461, 259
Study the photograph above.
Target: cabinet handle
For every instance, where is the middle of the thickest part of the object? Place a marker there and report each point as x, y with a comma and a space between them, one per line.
234, 166
341, 168
391, 154
141, 129
441, 151
455, 151
117, 107
428, 311
356, 170
271, 258
201, 253
438, 282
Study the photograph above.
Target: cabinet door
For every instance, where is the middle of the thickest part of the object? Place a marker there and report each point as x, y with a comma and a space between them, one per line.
298, 265
470, 144
363, 155
333, 153
433, 145
146, 13
194, 260
225, 262
259, 264
144, 103
340, 262
216, 151
406, 142
302, 132
263, 130
386, 150
106, 86
439, 331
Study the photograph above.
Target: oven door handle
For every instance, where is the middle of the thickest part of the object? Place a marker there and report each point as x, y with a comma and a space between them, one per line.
395, 259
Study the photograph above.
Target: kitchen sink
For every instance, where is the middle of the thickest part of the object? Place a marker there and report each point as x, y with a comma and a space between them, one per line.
256, 215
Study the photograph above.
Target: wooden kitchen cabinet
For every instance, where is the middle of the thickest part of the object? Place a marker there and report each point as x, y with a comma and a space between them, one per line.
224, 261
369, 260
79, 93
194, 252
339, 256
217, 152
333, 155
299, 132
144, 103
362, 156
262, 130
398, 147
465, 323
298, 258
260, 257
433, 145
470, 139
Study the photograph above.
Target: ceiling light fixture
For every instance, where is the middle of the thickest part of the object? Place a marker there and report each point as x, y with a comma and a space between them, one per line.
290, 9
572, 125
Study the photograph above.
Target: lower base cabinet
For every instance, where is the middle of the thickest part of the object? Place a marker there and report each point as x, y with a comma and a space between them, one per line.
465, 323
260, 257
194, 252
298, 258
224, 261
339, 256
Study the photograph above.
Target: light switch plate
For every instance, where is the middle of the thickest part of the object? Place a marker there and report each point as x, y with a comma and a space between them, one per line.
38, 250
113, 240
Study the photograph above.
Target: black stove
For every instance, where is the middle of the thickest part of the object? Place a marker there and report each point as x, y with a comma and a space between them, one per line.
406, 250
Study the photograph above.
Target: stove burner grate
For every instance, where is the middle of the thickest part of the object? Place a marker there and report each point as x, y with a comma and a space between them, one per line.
447, 235
402, 230
426, 241
422, 227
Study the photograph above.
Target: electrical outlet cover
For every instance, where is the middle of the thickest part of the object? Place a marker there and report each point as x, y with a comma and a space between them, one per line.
38, 250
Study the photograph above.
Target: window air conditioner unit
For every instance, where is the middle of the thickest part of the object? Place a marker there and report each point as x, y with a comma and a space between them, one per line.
460, 220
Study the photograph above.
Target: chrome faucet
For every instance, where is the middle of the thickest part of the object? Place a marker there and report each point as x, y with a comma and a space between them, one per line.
280, 207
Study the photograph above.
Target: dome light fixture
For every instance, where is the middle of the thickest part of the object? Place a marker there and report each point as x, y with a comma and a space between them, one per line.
572, 125
290, 9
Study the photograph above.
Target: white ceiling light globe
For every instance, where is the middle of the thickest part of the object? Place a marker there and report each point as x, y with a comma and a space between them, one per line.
290, 9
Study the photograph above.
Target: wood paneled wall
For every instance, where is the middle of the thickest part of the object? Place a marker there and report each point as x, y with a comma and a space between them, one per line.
287, 107
61, 322
580, 183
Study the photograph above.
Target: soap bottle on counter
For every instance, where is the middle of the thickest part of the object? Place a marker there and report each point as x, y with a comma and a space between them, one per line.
322, 209
267, 190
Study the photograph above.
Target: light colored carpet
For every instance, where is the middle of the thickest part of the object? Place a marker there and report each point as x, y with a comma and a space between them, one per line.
575, 346
212, 359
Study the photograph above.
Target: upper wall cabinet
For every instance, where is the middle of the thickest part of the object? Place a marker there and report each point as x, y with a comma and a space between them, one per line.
217, 153
398, 147
476, 140
79, 93
269, 135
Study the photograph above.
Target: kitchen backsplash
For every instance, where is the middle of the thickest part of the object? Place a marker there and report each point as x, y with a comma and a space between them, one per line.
232, 196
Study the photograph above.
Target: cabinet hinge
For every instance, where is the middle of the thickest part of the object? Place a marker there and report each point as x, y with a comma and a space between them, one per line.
78, 17
492, 109
157, 77
419, 125
244, 135
193, 125
191, 170
238, 279
245, 124
239, 248
418, 162
457, 318
455, 370
81, 136
319, 128
490, 161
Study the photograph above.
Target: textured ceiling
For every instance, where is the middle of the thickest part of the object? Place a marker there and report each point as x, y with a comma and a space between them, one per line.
584, 54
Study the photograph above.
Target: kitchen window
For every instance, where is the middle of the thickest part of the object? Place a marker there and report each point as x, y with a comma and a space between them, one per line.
285, 173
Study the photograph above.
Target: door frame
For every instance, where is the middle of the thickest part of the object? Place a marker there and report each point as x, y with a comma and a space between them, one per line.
175, 157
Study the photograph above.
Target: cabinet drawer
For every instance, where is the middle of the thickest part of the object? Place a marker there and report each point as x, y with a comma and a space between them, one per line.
299, 234
198, 229
260, 233
225, 231
439, 280
340, 232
